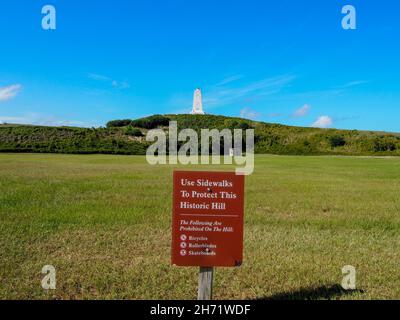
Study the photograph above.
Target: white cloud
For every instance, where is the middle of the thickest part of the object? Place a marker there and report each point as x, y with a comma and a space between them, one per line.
12, 120
352, 84
219, 97
7, 93
48, 120
120, 85
229, 80
323, 122
98, 77
112, 82
302, 111
249, 113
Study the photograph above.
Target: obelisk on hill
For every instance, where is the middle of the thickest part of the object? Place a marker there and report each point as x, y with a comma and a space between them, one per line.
197, 102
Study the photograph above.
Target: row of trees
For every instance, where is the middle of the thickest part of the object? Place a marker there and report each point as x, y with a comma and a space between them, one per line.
145, 123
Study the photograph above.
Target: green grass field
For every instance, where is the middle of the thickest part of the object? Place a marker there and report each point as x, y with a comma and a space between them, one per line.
104, 223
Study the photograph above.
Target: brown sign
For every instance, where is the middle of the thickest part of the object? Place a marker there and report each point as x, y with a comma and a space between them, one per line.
207, 223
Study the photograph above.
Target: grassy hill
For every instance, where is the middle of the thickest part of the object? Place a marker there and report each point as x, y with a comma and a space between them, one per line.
68, 140
127, 137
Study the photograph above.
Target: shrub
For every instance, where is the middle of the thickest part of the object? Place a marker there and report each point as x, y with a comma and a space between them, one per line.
134, 132
336, 141
151, 122
118, 123
382, 144
244, 125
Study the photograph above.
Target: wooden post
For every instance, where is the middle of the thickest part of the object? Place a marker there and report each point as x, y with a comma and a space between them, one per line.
205, 283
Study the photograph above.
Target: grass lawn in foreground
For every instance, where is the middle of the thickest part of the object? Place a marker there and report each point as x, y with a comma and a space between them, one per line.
104, 222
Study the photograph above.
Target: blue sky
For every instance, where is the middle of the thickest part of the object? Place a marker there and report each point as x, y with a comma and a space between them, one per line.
283, 61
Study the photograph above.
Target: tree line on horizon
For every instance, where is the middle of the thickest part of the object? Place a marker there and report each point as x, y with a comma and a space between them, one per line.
127, 136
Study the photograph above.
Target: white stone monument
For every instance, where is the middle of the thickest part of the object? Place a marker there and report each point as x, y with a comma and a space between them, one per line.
197, 102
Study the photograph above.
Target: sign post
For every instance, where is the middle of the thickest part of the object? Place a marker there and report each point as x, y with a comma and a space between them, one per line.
205, 283
207, 223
